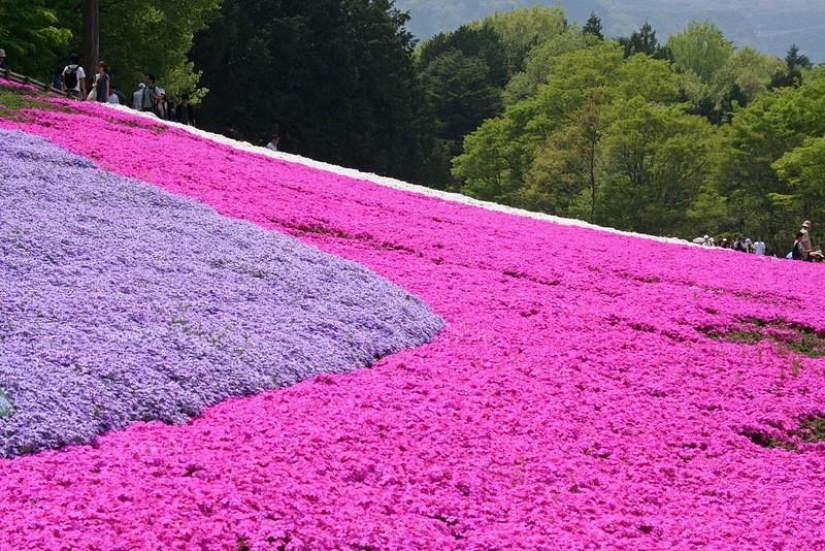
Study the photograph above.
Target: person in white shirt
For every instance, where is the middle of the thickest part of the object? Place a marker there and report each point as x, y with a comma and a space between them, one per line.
273, 143
759, 247
806, 240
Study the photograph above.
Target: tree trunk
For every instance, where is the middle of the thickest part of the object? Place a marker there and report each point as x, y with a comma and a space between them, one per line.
91, 38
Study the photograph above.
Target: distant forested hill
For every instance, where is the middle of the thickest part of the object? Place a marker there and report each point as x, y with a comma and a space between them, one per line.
768, 25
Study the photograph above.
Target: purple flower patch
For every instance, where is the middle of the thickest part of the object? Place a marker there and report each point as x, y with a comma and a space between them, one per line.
120, 302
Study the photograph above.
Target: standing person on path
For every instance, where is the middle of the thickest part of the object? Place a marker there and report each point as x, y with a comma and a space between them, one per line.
162, 106
185, 112
137, 97
797, 253
103, 83
738, 245
74, 78
3, 59
806, 240
273, 143
759, 247
151, 95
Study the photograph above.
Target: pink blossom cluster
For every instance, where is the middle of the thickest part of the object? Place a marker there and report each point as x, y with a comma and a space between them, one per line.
574, 399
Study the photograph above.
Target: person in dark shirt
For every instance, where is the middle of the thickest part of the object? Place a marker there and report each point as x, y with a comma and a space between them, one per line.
230, 132
798, 251
185, 111
103, 83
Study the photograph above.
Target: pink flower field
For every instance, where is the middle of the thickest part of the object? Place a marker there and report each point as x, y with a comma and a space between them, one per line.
589, 389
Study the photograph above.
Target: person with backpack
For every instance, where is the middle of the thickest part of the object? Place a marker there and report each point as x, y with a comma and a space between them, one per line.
74, 78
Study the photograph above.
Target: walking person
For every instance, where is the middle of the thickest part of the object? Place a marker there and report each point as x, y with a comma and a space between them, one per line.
74, 78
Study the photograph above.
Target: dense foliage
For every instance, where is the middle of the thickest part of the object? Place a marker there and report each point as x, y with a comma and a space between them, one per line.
337, 79
689, 137
136, 37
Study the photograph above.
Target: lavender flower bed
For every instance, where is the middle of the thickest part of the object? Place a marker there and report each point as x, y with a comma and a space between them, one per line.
120, 302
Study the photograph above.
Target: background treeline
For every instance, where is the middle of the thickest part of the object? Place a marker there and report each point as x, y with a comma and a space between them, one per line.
682, 138
136, 37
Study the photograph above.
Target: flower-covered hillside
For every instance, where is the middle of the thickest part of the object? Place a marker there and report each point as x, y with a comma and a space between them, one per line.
588, 390
122, 302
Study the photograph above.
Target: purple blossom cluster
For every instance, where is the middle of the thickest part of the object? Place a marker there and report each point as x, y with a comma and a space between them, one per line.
121, 302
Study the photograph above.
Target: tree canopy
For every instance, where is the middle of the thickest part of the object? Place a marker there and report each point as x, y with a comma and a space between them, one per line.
336, 79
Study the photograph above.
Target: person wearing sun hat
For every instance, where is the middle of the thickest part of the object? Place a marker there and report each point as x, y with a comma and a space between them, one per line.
806, 240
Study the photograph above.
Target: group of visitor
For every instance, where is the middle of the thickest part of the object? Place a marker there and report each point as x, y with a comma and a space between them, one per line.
802, 246
745, 245
73, 82
149, 97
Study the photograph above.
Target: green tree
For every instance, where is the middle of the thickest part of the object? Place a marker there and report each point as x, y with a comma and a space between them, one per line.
565, 175
351, 98
644, 41
702, 54
529, 123
522, 30
458, 91
539, 63
701, 49
471, 40
463, 74
139, 37
658, 159
493, 163
797, 64
751, 73
593, 26
774, 125
803, 170
521, 156
157, 40
32, 35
